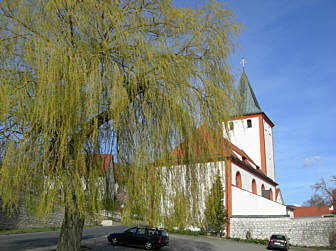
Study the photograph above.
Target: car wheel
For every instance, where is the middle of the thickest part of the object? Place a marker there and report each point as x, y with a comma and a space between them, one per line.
148, 245
114, 241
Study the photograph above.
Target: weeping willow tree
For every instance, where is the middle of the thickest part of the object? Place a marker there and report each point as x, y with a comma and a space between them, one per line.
132, 77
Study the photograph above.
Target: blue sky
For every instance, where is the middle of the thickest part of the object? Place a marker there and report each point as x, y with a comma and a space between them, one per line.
290, 49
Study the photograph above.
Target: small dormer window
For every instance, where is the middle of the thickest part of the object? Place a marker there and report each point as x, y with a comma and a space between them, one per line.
249, 123
231, 126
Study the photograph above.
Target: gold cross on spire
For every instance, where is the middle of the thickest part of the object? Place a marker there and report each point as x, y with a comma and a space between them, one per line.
243, 62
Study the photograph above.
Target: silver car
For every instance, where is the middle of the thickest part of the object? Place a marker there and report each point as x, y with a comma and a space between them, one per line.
278, 241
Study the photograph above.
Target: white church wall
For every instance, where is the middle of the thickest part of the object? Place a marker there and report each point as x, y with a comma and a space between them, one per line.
246, 179
206, 173
246, 203
207, 181
212, 169
247, 139
269, 153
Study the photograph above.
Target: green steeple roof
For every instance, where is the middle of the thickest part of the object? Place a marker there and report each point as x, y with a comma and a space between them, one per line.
249, 101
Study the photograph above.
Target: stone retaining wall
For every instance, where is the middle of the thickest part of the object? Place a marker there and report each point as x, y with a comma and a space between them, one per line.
18, 218
24, 219
303, 231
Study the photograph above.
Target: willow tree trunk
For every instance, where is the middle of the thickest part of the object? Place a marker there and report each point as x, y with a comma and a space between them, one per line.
71, 232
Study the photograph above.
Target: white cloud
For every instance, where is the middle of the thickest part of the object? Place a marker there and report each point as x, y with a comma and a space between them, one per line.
311, 161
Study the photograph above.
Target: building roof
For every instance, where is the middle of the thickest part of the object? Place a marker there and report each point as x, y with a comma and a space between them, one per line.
210, 146
249, 103
207, 144
312, 211
102, 161
107, 160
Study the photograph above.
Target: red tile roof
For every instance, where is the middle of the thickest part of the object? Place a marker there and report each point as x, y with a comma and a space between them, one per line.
102, 161
311, 211
212, 143
206, 142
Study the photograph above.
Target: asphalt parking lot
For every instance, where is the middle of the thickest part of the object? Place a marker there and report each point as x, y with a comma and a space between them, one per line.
95, 238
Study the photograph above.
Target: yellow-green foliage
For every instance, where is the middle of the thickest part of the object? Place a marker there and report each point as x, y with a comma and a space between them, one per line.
80, 77
215, 213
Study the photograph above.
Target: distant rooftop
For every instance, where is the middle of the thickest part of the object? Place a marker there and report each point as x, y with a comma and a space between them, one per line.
312, 211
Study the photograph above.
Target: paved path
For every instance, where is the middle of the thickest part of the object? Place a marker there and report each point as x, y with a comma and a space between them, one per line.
95, 238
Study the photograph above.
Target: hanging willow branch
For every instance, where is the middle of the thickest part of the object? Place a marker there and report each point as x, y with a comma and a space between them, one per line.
134, 77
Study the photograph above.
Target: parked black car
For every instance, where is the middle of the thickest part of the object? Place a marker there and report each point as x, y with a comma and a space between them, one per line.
278, 241
146, 237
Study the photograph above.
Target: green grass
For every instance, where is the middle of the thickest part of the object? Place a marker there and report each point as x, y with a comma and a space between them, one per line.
257, 241
35, 229
28, 230
186, 232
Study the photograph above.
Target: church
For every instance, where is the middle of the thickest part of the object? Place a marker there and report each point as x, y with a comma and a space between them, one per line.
247, 171
244, 160
252, 188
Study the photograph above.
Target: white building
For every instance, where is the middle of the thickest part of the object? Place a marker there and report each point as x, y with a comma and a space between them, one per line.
253, 182
248, 173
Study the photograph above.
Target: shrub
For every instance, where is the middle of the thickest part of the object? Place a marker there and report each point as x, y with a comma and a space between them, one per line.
333, 240
215, 213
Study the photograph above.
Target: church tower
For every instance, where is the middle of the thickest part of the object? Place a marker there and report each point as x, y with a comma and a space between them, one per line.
252, 131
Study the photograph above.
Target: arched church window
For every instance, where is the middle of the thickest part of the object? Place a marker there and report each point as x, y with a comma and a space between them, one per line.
238, 180
254, 187
249, 123
262, 187
271, 194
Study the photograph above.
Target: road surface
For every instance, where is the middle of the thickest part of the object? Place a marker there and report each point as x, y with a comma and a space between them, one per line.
95, 238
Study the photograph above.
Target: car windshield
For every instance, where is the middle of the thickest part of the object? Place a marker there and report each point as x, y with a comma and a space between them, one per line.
278, 237
131, 230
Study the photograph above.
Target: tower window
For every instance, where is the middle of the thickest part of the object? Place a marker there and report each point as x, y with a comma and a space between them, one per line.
249, 123
231, 126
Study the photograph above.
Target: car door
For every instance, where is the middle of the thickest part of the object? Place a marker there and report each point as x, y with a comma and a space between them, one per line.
140, 239
130, 236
